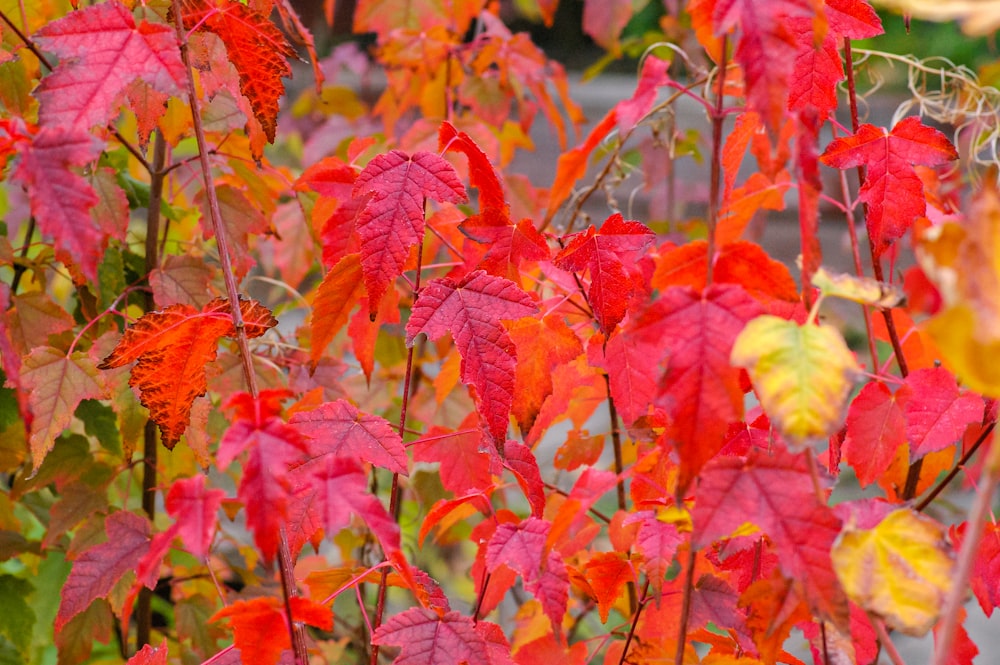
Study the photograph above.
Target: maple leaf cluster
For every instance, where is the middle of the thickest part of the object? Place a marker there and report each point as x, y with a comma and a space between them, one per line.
316, 373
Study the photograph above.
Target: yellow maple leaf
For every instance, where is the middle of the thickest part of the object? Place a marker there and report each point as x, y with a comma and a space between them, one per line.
802, 375
899, 570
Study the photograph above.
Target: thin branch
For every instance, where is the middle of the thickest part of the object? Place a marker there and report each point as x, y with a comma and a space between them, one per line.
395, 503
718, 117
296, 631
636, 613
933, 494
685, 606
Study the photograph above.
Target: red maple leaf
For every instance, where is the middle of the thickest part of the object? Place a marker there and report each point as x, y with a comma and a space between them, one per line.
339, 429
392, 221
148, 655
521, 462
893, 191
97, 569
330, 488
985, 578
194, 508
101, 52
765, 48
521, 547
608, 253
472, 310
426, 637
265, 488
60, 198
464, 466
701, 390
818, 67
658, 542
608, 573
482, 175
937, 414
172, 347
509, 244
775, 491
876, 428
256, 48
260, 627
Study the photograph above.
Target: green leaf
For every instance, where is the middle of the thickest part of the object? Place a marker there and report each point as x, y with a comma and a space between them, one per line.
100, 422
17, 618
111, 276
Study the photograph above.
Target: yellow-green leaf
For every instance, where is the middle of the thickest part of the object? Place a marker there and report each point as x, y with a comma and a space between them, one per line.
802, 374
864, 290
899, 570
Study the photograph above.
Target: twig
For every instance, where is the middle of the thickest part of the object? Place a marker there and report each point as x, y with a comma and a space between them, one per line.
288, 588
978, 514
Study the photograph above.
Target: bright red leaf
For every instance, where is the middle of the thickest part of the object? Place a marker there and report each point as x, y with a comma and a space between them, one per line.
608, 573
775, 491
60, 198
194, 507
172, 347
260, 629
985, 578
701, 390
255, 46
392, 221
520, 546
876, 427
148, 655
425, 637
893, 191
333, 488
937, 414
101, 52
273, 446
521, 462
609, 254
765, 48
482, 175
339, 429
464, 466
97, 569
472, 310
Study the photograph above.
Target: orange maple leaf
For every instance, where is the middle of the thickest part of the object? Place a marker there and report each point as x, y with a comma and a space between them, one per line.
172, 347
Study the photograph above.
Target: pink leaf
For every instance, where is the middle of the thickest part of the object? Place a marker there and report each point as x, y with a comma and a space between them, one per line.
96, 571
339, 429
425, 638
472, 310
392, 221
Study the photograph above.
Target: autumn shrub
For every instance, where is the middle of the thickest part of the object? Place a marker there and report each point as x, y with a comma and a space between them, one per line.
324, 377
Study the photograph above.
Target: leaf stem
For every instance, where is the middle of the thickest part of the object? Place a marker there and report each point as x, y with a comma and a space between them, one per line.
288, 587
616, 443
394, 496
19, 268
933, 494
685, 606
635, 622
886, 641
913, 474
